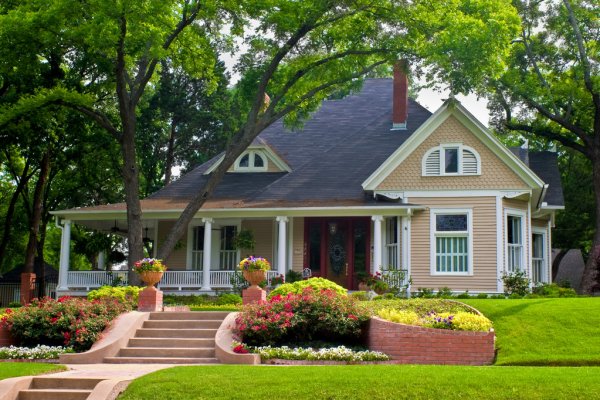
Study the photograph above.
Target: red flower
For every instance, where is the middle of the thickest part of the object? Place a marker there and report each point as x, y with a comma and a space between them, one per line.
240, 349
352, 317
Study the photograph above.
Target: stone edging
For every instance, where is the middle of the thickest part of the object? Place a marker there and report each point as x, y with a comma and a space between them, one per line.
224, 341
27, 360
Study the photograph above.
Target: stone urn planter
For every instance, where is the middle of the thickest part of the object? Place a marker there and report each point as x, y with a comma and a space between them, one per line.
254, 277
151, 278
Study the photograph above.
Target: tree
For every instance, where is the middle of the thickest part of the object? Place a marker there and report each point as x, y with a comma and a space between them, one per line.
304, 52
551, 89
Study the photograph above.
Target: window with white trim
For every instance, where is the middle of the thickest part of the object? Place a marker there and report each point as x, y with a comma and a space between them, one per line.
392, 243
451, 232
251, 161
514, 242
451, 159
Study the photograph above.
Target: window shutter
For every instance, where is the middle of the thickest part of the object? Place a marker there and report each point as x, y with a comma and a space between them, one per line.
432, 164
469, 163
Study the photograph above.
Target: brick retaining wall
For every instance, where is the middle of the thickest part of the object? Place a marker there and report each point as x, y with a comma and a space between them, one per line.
5, 337
407, 344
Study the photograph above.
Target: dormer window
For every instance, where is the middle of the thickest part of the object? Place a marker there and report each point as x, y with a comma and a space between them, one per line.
451, 159
251, 161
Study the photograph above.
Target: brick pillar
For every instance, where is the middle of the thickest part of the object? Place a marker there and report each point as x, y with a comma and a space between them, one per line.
6, 338
27, 287
151, 299
253, 295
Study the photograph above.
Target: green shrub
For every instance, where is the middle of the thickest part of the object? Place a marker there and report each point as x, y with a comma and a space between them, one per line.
14, 304
228, 298
515, 296
516, 283
444, 292
464, 295
298, 287
293, 276
482, 296
68, 321
425, 293
497, 296
400, 316
553, 290
294, 318
121, 293
360, 296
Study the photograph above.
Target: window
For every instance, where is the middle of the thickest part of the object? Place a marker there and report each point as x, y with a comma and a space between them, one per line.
251, 161
197, 247
391, 243
451, 159
451, 236
514, 240
228, 258
538, 259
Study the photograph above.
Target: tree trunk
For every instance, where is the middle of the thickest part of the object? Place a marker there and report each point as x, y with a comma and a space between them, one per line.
170, 152
11, 210
34, 225
132, 196
39, 260
589, 281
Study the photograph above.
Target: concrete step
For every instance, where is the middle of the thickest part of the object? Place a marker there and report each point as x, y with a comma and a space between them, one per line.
187, 315
54, 394
159, 360
170, 342
183, 324
48, 382
175, 333
167, 352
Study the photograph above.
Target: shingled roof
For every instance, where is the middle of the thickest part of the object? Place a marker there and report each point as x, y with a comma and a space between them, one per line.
545, 165
334, 152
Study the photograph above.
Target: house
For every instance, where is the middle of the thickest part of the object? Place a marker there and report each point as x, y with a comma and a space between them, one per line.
372, 181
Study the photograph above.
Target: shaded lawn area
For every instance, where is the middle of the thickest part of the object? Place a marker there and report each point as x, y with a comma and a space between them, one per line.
372, 382
14, 369
544, 331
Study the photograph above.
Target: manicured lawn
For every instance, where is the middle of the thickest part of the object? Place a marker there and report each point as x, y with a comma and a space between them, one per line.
544, 331
14, 369
366, 382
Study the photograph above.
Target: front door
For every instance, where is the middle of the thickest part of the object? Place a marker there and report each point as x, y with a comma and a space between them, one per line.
337, 248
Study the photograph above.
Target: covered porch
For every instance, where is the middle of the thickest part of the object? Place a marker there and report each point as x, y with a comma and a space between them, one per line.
337, 244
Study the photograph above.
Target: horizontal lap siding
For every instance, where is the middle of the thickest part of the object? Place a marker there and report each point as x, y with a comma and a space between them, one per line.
298, 245
177, 260
263, 235
484, 245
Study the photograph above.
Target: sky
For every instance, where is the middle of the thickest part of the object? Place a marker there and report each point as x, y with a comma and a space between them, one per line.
432, 100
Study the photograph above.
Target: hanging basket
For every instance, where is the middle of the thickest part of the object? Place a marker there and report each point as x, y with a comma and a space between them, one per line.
151, 278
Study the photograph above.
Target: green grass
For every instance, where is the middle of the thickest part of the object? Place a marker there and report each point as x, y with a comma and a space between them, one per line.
14, 369
544, 331
370, 382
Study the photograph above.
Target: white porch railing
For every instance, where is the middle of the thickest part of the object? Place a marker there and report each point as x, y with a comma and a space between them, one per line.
94, 279
178, 280
398, 278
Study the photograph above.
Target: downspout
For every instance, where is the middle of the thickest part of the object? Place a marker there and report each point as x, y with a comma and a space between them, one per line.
542, 195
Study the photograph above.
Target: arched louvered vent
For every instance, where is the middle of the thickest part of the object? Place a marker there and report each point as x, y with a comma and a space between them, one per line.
432, 164
469, 162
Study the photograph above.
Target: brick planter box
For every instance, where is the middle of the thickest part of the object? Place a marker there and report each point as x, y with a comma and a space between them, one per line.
406, 344
6, 338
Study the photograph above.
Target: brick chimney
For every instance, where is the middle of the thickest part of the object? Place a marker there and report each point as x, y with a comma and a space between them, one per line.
400, 96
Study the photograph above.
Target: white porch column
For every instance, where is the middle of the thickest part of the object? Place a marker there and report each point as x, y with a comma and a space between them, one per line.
377, 243
206, 253
102, 260
281, 245
65, 253
406, 232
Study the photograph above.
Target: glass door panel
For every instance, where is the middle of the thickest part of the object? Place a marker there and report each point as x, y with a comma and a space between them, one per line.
337, 252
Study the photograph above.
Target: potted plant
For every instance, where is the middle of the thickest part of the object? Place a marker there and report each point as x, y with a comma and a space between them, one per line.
150, 270
254, 269
362, 278
244, 240
377, 284
277, 280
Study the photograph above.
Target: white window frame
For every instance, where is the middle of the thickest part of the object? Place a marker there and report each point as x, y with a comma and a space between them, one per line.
544, 234
251, 157
434, 235
511, 212
442, 167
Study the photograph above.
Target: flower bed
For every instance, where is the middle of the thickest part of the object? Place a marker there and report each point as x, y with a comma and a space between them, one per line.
39, 352
339, 353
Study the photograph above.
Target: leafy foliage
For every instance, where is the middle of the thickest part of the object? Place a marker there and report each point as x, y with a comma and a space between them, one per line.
67, 321
313, 314
516, 283
298, 287
121, 293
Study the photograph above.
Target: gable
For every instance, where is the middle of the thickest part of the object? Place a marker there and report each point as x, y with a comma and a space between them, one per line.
494, 173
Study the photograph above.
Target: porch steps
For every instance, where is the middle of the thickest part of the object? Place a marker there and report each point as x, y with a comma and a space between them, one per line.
54, 388
173, 338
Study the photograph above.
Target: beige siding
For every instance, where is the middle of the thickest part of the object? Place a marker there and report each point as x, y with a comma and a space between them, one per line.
263, 235
494, 173
540, 223
484, 245
298, 245
177, 259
